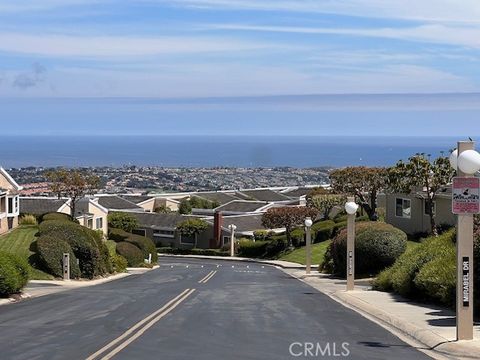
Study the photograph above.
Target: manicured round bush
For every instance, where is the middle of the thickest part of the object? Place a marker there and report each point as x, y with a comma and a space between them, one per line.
55, 216
14, 274
50, 252
119, 263
82, 241
252, 249
323, 230
130, 252
145, 244
377, 246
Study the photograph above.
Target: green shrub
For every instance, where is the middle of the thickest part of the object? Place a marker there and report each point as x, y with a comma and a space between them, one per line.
377, 246
323, 231
252, 249
83, 242
298, 237
50, 252
143, 243
124, 221
131, 253
14, 273
260, 235
55, 216
28, 220
205, 252
401, 276
119, 263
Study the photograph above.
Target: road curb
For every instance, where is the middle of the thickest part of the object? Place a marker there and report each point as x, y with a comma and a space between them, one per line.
287, 265
424, 336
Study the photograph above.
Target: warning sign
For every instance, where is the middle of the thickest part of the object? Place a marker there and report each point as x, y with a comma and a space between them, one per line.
466, 195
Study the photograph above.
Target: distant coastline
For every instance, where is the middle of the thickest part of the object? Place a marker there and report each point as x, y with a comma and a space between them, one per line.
212, 151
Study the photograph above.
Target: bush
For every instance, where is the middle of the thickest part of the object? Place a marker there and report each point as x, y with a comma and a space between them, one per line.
14, 273
28, 220
323, 230
377, 246
131, 253
401, 276
123, 221
119, 263
55, 216
205, 252
298, 237
50, 252
260, 235
252, 249
145, 244
83, 241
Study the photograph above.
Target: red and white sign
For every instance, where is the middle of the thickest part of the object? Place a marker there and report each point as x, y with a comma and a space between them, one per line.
466, 195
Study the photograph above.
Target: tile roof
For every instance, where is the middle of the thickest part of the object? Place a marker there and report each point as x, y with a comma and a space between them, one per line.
241, 206
154, 220
265, 195
137, 199
220, 197
114, 202
40, 206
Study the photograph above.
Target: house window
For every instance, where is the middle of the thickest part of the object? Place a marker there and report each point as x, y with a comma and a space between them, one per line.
11, 210
425, 208
90, 223
188, 240
164, 233
403, 208
226, 240
99, 223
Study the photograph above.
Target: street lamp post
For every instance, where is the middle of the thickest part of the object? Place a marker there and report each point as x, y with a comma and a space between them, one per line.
351, 208
232, 228
467, 162
308, 243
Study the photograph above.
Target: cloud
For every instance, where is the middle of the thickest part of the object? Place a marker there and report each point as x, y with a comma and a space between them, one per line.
424, 10
41, 5
30, 79
433, 33
114, 46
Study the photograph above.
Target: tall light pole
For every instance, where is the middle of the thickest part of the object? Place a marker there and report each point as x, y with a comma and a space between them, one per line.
351, 208
308, 243
465, 203
232, 228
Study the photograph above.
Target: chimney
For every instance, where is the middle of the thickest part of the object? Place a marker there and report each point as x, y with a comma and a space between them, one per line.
217, 229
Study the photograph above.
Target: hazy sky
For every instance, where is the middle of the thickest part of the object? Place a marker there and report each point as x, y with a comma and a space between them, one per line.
83, 49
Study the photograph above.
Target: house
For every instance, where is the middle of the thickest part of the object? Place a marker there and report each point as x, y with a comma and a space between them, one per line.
408, 212
145, 201
162, 229
9, 202
88, 211
116, 203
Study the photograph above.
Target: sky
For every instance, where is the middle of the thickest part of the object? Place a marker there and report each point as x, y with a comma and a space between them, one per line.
279, 67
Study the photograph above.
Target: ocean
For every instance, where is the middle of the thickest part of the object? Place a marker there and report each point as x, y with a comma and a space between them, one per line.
212, 151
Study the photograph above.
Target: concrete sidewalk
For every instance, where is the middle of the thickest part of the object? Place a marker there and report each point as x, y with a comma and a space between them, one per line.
37, 288
279, 263
432, 326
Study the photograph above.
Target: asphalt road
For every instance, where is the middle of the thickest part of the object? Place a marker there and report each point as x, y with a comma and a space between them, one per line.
239, 311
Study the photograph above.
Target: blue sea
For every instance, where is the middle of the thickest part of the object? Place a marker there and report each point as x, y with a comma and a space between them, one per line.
211, 151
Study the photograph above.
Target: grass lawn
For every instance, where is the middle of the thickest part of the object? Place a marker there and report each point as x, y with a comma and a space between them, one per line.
299, 255
18, 242
412, 244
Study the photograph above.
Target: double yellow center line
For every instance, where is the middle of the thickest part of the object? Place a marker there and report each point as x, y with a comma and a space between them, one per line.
120, 343
208, 277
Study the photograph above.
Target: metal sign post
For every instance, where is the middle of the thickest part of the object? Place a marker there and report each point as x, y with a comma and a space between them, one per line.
465, 203
66, 266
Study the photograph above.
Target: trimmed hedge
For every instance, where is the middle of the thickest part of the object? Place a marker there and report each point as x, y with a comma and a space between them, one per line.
14, 273
50, 252
83, 242
323, 231
377, 246
145, 244
55, 216
119, 263
252, 249
131, 253
206, 252
425, 272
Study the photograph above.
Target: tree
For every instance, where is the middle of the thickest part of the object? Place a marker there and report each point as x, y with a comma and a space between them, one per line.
288, 218
73, 184
362, 182
162, 209
185, 207
420, 172
124, 221
325, 203
192, 227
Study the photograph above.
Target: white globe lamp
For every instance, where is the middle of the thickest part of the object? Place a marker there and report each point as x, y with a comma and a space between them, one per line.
351, 208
